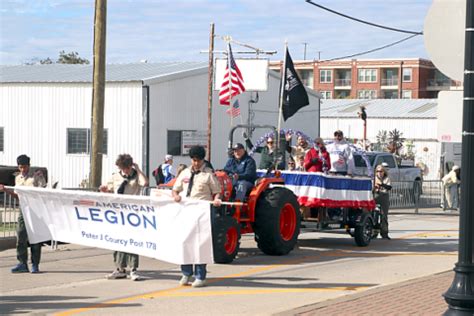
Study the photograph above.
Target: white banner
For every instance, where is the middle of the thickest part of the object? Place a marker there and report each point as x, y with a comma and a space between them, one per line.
155, 227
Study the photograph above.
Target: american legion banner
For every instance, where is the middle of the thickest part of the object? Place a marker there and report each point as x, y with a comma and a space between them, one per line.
155, 227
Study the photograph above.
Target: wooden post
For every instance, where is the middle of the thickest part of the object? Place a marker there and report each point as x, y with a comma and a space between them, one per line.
98, 91
209, 91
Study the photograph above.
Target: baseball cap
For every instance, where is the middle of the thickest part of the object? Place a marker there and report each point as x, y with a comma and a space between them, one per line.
338, 132
238, 146
168, 157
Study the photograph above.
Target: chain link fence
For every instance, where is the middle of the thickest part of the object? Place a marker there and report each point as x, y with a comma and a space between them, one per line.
9, 211
416, 195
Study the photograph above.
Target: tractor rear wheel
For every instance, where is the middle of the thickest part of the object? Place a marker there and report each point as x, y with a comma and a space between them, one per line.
225, 239
364, 231
277, 221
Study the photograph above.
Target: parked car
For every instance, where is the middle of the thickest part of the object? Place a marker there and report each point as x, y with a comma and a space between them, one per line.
403, 177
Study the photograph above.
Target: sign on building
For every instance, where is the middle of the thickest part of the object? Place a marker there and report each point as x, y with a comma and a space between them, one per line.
192, 138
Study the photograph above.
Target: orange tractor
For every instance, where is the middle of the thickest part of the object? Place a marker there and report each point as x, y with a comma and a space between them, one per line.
270, 210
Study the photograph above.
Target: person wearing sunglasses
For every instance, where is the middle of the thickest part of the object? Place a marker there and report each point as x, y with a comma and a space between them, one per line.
382, 186
270, 154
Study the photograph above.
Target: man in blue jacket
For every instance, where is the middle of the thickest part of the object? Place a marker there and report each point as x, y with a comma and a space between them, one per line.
243, 169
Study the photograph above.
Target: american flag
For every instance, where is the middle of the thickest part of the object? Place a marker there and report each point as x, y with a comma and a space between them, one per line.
235, 110
231, 86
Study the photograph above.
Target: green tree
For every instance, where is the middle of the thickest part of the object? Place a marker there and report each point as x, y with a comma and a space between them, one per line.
395, 141
70, 58
64, 58
381, 138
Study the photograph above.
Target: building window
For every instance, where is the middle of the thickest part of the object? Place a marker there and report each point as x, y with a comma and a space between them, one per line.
1, 139
326, 94
174, 143
78, 141
325, 76
367, 94
407, 72
367, 75
406, 94
307, 77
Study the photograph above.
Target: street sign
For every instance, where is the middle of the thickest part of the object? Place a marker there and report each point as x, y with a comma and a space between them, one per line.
444, 33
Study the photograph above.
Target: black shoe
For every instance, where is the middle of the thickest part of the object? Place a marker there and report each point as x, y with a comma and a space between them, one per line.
386, 237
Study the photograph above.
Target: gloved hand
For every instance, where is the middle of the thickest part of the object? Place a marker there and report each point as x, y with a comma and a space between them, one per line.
314, 160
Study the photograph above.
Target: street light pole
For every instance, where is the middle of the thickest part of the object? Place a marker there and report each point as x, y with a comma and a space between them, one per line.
460, 296
304, 53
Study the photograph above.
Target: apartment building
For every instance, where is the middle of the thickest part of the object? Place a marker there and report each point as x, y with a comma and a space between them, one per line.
409, 78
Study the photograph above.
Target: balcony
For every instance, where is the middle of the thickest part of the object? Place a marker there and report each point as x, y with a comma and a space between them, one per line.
342, 83
389, 83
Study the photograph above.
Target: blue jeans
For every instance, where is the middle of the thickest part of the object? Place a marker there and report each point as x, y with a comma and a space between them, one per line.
199, 270
241, 189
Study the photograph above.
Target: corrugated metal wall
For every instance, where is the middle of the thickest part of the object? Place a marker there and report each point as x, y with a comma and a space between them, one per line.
181, 104
35, 118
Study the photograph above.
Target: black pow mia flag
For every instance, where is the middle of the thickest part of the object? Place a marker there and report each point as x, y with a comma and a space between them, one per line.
294, 93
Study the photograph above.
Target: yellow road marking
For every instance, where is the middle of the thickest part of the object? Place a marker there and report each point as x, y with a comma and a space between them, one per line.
259, 291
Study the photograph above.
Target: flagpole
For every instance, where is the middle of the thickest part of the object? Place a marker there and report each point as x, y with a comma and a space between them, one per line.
282, 89
230, 81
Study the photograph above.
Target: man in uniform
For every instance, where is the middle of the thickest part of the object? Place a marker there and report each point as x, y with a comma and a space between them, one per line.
129, 180
197, 182
26, 177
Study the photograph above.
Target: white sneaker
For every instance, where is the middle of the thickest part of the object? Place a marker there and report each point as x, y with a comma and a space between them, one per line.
199, 283
116, 274
185, 279
134, 276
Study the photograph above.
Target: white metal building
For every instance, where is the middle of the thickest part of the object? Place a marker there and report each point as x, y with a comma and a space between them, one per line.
415, 118
150, 110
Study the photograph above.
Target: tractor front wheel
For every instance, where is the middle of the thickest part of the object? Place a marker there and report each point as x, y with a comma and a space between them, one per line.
277, 221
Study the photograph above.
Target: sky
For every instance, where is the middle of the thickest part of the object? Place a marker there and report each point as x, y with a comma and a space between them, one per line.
178, 30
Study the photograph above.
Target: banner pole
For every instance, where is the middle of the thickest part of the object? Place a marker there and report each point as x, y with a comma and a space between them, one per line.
282, 89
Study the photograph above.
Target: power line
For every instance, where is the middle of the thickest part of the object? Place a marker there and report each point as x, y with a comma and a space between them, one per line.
372, 50
362, 21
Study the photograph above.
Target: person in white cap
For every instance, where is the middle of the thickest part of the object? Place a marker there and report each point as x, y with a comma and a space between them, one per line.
167, 168
450, 183
165, 172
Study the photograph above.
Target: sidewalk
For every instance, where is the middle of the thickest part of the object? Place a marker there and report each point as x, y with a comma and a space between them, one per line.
421, 296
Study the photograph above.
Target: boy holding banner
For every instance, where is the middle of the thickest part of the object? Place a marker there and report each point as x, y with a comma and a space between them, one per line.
129, 180
198, 182
25, 177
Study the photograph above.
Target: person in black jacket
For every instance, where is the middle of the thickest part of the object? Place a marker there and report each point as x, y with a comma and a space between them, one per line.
243, 169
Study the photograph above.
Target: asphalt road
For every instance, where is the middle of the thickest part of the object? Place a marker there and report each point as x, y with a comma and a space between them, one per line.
324, 266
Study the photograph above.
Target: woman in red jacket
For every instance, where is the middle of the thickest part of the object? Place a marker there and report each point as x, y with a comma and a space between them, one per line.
317, 159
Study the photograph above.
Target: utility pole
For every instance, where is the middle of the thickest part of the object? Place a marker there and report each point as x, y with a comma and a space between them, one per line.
319, 55
209, 91
304, 54
460, 296
98, 91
